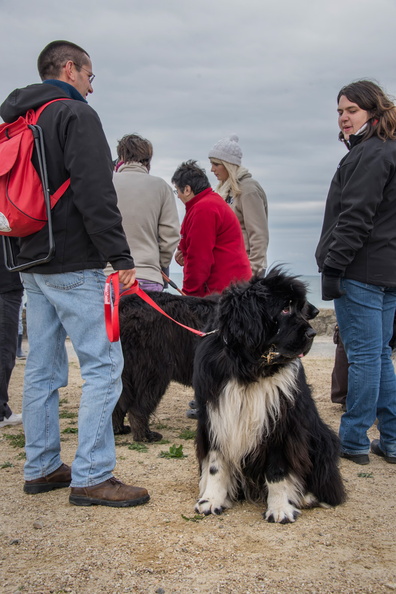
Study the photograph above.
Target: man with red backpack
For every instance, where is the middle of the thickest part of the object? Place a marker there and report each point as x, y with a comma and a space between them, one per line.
65, 294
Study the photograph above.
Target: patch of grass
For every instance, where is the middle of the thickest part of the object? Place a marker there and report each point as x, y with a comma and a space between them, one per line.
196, 518
67, 414
6, 465
16, 441
70, 430
174, 452
162, 441
63, 401
187, 434
21, 456
365, 475
138, 447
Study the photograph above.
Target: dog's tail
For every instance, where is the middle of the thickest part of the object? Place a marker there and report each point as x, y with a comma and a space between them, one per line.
326, 481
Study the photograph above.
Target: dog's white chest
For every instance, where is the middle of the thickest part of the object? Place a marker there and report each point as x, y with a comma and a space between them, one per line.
246, 412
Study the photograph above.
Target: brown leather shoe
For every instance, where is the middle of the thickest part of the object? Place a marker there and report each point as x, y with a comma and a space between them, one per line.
111, 492
59, 479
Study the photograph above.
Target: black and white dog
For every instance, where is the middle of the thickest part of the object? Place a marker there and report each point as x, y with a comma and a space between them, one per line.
260, 436
156, 352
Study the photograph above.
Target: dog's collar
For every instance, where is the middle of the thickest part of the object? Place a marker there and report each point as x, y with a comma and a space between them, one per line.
211, 332
270, 355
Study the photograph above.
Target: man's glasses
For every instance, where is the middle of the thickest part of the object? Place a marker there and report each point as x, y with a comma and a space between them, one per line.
90, 76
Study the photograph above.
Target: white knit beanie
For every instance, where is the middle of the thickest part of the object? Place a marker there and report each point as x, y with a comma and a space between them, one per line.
227, 149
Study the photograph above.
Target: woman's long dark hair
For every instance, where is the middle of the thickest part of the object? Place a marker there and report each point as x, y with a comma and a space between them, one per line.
370, 97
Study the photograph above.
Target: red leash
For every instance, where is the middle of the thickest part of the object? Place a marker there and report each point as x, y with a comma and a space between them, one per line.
111, 307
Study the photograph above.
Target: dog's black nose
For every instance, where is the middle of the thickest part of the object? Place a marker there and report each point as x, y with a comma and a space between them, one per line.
310, 333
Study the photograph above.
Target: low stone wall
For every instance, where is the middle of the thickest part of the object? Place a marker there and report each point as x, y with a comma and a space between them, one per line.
324, 322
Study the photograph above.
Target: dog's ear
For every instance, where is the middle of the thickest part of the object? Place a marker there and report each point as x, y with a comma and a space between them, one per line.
310, 311
243, 316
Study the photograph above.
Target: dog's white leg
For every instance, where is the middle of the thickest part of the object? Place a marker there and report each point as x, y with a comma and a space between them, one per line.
279, 508
214, 486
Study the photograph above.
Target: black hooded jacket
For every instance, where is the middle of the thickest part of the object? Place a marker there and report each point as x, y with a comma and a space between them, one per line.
87, 224
359, 229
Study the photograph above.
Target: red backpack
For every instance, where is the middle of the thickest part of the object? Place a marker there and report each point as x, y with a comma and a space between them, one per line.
23, 209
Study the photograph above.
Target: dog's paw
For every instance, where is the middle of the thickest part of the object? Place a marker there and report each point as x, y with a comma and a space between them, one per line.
209, 506
123, 430
147, 437
282, 515
153, 436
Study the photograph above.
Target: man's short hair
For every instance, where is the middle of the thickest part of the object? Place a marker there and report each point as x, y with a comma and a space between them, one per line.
189, 174
55, 55
133, 147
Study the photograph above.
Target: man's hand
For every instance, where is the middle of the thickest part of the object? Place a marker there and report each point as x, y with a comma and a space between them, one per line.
127, 277
179, 257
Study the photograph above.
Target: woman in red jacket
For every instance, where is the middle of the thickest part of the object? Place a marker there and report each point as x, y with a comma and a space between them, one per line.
211, 248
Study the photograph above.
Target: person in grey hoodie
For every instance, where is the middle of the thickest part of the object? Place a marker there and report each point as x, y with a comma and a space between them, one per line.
148, 208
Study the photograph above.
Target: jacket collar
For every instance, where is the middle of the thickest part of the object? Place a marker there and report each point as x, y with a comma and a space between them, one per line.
198, 197
132, 166
69, 89
354, 139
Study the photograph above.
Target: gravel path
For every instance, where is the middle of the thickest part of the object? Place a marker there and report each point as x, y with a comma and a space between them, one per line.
49, 546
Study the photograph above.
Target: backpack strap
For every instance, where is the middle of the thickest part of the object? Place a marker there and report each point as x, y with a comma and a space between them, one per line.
32, 117
59, 192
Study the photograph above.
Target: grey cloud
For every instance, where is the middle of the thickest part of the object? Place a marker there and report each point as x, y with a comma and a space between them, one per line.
185, 74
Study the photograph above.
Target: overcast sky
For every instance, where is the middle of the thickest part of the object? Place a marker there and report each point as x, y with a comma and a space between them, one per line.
185, 74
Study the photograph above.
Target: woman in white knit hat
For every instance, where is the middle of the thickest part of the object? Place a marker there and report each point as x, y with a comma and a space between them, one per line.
245, 196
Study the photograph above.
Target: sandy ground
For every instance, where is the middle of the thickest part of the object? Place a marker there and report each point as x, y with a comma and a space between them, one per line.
50, 546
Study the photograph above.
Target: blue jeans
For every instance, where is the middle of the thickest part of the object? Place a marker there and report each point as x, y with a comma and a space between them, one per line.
365, 317
60, 305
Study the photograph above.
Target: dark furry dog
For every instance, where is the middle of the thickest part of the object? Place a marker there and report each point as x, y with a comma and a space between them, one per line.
156, 352
259, 434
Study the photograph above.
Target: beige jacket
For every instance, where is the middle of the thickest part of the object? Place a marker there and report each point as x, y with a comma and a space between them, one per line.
251, 209
149, 219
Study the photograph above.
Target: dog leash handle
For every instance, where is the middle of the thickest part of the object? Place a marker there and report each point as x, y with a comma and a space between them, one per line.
111, 307
111, 314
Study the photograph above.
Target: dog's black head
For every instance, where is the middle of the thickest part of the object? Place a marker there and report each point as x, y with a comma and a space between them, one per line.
267, 319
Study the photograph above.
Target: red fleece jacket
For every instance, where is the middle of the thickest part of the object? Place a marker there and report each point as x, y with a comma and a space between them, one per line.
212, 245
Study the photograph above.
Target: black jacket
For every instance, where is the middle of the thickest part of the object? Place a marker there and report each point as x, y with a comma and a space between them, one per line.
86, 221
359, 228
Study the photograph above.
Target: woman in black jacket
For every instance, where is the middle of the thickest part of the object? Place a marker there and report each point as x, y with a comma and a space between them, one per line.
357, 257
